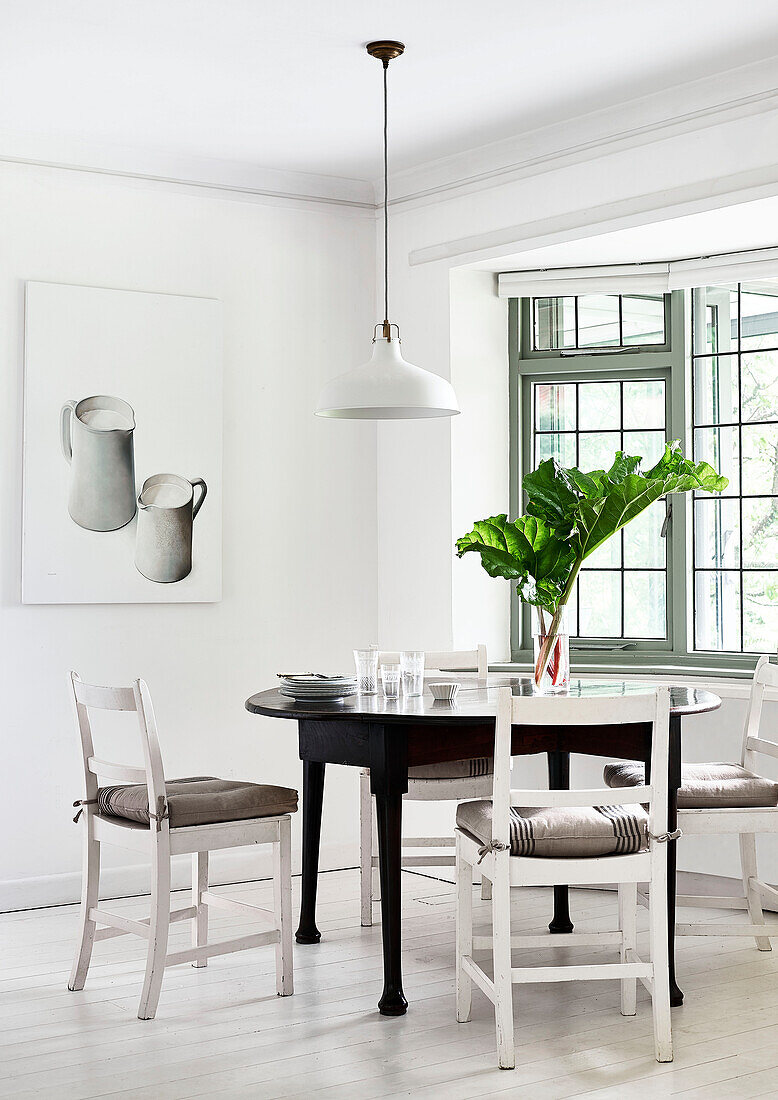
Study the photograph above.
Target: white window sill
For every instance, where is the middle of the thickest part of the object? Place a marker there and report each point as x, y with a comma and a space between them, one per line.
727, 683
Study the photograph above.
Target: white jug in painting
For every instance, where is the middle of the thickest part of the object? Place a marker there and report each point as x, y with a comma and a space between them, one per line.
166, 513
97, 441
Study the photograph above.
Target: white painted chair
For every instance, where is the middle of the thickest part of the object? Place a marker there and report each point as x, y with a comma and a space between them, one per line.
730, 799
511, 836
160, 838
450, 782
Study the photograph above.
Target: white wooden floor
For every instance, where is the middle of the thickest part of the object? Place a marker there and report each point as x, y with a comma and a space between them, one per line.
221, 1031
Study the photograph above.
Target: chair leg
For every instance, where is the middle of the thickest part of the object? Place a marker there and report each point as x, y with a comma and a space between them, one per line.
753, 896
159, 926
365, 851
660, 961
486, 889
628, 904
90, 886
464, 935
503, 985
282, 903
200, 920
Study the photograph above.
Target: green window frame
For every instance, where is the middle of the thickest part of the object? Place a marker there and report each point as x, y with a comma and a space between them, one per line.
670, 362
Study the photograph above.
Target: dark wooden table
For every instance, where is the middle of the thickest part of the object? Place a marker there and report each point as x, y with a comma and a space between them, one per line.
390, 736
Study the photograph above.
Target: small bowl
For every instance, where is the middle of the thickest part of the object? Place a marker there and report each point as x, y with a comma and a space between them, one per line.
445, 693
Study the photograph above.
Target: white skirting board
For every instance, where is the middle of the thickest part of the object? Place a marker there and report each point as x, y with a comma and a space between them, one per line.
232, 865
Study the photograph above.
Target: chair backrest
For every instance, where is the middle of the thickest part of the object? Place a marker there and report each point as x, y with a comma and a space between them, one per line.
651, 707
136, 699
765, 676
452, 660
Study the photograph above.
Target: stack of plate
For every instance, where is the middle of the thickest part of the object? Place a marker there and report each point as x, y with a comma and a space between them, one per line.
317, 688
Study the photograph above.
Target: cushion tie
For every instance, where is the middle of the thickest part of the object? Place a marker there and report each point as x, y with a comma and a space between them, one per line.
162, 812
662, 838
492, 846
81, 802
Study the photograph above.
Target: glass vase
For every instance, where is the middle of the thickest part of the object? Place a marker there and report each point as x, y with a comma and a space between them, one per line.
552, 653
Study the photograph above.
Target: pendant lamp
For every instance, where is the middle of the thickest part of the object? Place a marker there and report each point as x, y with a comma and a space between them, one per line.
387, 387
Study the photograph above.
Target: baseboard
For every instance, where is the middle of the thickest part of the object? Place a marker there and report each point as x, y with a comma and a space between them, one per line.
231, 865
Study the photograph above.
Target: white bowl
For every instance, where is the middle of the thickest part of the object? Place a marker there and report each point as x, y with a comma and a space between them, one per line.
446, 693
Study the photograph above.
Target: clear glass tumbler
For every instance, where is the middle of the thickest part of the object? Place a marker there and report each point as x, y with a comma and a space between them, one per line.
390, 678
366, 662
412, 666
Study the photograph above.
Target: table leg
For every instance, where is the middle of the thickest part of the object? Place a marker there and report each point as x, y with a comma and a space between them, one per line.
559, 780
313, 794
389, 820
676, 994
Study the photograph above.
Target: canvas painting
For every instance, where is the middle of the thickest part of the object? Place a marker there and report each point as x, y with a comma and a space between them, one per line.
122, 447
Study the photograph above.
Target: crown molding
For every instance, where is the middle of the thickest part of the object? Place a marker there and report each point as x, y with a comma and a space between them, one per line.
695, 105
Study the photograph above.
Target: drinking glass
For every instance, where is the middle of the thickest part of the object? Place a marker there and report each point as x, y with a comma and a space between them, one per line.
366, 661
412, 666
390, 678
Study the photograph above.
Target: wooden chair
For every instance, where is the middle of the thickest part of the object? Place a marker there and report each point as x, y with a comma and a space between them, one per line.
729, 799
155, 832
450, 782
512, 836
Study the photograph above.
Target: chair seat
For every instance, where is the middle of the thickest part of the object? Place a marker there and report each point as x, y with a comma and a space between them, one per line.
199, 800
454, 769
562, 832
704, 786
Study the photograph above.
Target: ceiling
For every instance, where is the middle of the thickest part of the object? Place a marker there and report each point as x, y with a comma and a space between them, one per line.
285, 84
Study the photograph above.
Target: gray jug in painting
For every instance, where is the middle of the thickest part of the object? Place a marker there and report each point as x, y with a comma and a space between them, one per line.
166, 513
97, 441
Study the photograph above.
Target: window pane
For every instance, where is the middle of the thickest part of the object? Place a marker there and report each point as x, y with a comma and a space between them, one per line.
649, 445
717, 610
717, 534
760, 533
720, 447
760, 459
760, 612
555, 445
643, 318
600, 604
714, 321
597, 450
716, 390
644, 546
554, 407
598, 320
644, 404
599, 406
607, 556
759, 371
759, 315
554, 323
644, 605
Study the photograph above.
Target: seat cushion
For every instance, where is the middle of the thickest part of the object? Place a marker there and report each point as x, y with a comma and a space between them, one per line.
704, 786
562, 832
454, 769
200, 800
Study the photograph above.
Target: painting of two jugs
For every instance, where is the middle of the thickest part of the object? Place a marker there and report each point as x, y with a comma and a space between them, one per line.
121, 453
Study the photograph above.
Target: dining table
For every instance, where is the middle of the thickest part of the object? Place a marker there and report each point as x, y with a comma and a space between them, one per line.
389, 736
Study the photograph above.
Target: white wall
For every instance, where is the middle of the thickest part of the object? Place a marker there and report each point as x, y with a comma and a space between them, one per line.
426, 596
299, 504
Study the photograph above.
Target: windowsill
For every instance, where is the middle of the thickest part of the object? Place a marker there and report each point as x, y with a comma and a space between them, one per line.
728, 682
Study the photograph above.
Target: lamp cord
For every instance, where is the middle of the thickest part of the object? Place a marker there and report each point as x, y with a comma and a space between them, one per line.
386, 202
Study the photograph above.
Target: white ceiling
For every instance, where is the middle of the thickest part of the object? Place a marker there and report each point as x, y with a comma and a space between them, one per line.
285, 84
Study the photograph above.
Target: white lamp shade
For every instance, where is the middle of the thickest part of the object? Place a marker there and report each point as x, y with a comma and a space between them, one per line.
387, 388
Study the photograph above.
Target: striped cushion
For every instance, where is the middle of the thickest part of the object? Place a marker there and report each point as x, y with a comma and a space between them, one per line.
562, 832
454, 769
704, 786
199, 800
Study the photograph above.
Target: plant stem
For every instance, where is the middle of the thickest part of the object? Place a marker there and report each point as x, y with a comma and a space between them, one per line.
550, 638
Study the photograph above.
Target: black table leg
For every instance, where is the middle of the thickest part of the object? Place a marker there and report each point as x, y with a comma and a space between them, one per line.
313, 794
389, 821
559, 780
676, 994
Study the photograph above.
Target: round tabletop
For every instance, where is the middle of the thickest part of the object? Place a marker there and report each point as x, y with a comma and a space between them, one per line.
475, 700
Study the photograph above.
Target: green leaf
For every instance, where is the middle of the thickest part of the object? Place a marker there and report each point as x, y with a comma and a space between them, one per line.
552, 495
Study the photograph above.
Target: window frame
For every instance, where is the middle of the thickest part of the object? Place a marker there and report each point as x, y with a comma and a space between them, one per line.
670, 361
